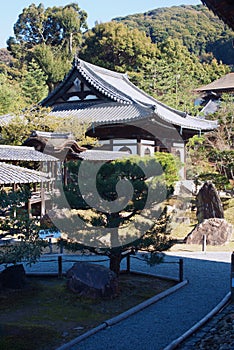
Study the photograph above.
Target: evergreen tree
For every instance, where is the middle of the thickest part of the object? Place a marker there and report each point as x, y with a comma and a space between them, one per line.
33, 85
118, 210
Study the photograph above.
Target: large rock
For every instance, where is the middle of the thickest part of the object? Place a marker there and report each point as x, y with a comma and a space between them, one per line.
13, 277
217, 231
92, 280
208, 203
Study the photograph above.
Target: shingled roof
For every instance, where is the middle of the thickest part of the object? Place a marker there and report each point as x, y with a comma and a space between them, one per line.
100, 155
223, 84
224, 9
23, 153
113, 99
12, 174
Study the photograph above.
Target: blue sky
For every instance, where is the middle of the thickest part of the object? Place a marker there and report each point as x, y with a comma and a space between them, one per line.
99, 10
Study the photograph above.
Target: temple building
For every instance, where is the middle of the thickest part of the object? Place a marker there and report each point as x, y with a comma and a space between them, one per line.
211, 94
120, 115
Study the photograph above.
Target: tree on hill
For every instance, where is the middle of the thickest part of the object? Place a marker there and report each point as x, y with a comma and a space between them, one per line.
198, 28
33, 84
177, 72
167, 71
117, 210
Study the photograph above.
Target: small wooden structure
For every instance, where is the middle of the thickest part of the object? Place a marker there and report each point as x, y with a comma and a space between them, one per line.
13, 175
65, 148
211, 94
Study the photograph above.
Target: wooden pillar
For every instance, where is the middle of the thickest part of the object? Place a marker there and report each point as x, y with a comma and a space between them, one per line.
138, 147
42, 200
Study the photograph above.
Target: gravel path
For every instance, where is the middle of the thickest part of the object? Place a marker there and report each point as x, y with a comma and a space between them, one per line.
159, 324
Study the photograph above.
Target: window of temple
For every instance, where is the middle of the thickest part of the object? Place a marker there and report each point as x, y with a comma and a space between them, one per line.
125, 149
147, 152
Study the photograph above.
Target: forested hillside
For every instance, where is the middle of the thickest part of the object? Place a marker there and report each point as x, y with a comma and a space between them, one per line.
199, 29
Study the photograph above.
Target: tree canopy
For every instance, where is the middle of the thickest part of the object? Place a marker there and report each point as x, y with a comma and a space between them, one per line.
51, 36
116, 47
203, 33
119, 208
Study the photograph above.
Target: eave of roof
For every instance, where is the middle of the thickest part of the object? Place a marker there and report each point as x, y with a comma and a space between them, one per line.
99, 155
115, 113
224, 83
23, 153
12, 174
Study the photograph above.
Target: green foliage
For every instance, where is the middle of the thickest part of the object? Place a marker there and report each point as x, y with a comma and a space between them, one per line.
51, 36
114, 46
126, 203
220, 181
20, 127
33, 84
53, 62
213, 152
199, 29
11, 100
224, 163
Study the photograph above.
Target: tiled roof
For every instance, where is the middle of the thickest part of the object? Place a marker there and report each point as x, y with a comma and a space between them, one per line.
121, 101
97, 155
102, 113
114, 113
224, 9
23, 153
12, 174
223, 83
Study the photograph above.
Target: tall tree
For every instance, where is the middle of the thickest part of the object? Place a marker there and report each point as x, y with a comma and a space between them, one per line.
33, 84
117, 210
53, 34
116, 47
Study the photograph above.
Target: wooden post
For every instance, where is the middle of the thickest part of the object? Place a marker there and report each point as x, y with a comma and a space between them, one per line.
60, 266
204, 243
50, 246
128, 263
232, 278
181, 269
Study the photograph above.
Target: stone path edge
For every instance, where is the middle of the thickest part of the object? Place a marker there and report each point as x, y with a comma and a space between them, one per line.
175, 343
124, 315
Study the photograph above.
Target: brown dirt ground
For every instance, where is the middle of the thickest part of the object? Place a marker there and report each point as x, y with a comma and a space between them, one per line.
46, 314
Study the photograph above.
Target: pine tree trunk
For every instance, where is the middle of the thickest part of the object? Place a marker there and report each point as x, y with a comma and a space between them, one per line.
115, 260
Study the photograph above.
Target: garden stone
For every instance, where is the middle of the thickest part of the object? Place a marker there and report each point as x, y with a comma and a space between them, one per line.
92, 280
13, 277
209, 204
217, 231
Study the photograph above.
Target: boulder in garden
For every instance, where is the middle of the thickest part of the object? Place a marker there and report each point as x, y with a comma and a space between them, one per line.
92, 280
218, 232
